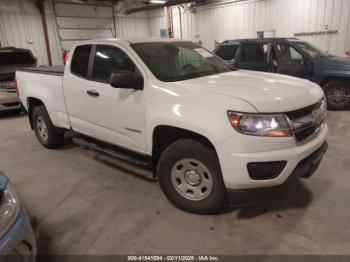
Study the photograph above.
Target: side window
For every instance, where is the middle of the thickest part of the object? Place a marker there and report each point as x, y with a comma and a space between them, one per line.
254, 53
108, 60
80, 60
227, 52
287, 54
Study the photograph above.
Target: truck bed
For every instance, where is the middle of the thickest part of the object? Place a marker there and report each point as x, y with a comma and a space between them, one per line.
44, 84
47, 70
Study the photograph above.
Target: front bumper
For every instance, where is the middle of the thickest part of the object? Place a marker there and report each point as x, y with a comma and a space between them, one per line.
235, 155
19, 243
305, 169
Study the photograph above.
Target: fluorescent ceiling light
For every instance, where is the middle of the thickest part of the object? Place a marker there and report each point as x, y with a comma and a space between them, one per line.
157, 1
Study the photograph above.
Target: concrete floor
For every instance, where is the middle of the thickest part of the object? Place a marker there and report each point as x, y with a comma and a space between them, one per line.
87, 203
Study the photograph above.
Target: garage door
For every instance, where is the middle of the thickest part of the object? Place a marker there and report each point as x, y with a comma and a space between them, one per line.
83, 21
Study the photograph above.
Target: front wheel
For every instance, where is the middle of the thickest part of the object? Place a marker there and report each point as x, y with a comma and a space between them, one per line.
190, 176
337, 94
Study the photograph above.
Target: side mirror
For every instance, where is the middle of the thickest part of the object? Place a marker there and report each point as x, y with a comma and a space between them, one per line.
127, 80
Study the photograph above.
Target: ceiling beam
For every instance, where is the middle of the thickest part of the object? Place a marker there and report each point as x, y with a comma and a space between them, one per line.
157, 6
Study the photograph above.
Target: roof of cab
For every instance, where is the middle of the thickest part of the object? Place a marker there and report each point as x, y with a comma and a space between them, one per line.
135, 40
262, 39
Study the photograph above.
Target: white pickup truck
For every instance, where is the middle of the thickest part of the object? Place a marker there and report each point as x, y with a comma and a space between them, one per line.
206, 130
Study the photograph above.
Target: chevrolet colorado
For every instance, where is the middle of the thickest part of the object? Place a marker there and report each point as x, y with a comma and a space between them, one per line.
205, 129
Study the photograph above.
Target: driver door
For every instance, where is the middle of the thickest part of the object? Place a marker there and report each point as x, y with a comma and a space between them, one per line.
110, 114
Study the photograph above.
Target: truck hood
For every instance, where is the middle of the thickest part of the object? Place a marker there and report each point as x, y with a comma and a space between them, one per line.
334, 62
7, 72
264, 91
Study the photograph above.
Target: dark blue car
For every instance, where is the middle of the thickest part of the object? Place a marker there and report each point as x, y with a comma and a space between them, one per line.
18, 230
290, 56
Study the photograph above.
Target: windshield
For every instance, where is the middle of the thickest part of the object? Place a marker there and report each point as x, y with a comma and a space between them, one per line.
176, 61
312, 51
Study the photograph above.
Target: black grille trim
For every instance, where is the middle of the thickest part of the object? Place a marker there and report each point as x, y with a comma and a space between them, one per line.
303, 133
301, 112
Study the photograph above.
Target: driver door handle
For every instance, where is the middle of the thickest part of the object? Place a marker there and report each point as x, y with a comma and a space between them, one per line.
93, 93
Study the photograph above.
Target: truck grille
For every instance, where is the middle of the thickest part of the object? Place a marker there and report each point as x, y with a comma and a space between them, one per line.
307, 121
304, 133
301, 112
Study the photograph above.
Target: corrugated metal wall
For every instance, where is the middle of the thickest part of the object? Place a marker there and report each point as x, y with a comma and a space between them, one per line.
20, 23
244, 19
21, 26
156, 21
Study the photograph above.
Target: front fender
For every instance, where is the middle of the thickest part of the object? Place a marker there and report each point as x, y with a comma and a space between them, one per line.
332, 73
204, 114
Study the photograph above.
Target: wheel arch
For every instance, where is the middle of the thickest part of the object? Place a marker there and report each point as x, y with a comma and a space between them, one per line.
164, 135
33, 102
328, 79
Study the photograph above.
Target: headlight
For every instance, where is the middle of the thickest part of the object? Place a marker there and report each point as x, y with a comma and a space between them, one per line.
268, 125
9, 205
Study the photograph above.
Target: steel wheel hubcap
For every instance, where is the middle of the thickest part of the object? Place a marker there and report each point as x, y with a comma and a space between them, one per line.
338, 95
42, 128
192, 179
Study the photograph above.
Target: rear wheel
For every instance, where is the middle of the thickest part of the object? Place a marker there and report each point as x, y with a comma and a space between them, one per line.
47, 134
190, 176
337, 94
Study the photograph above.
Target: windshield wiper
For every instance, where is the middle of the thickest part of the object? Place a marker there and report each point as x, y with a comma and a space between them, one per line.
186, 77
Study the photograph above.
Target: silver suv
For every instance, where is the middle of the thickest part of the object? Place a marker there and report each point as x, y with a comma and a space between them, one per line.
11, 59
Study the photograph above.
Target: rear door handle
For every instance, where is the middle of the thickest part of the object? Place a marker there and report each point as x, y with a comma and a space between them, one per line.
93, 93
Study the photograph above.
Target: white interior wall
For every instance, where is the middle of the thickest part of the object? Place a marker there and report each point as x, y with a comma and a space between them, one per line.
156, 21
21, 26
20, 23
243, 19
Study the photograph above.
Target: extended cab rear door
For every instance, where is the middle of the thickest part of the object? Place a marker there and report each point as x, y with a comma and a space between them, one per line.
96, 108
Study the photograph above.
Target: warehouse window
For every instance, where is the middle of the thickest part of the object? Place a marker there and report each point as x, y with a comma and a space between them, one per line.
254, 53
227, 52
80, 60
108, 60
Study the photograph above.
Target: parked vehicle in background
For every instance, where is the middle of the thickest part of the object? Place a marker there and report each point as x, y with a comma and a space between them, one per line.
11, 59
18, 230
290, 56
206, 131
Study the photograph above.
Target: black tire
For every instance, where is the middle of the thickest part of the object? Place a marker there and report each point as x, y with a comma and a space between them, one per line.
54, 137
184, 149
334, 88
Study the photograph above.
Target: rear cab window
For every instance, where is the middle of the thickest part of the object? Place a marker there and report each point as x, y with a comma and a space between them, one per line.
80, 61
227, 51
